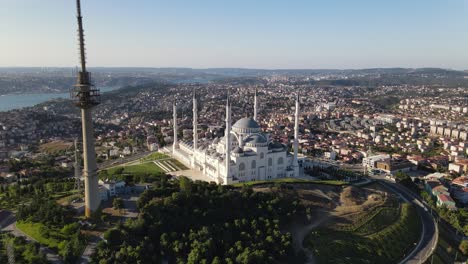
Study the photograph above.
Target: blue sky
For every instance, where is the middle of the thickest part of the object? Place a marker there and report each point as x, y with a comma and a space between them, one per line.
238, 33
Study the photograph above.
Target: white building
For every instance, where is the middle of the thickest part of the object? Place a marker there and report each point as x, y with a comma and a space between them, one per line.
109, 189
371, 162
251, 154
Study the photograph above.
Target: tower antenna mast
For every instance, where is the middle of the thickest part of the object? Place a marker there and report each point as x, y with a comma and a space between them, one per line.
86, 96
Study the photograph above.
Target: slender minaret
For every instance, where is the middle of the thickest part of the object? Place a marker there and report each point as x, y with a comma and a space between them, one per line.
296, 138
255, 105
86, 96
175, 145
195, 122
227, 135
77, 165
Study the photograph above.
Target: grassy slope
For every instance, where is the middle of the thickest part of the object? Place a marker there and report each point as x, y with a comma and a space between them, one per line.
290, 180
154, 156
33, 230
387, 244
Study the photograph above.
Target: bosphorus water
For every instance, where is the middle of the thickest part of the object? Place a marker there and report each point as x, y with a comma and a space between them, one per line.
16, 101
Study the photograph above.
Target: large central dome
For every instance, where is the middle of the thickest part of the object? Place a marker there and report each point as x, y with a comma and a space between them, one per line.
246, 125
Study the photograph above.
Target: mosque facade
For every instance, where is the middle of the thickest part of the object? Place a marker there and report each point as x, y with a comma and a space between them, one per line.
245, 153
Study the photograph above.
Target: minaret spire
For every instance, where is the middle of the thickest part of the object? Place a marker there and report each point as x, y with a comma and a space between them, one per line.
296, 138
86, 96
174, 113
255, 105
228, 140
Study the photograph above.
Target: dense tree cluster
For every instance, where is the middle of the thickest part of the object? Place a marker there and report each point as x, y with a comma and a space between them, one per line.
196, 222
42, 168
458, 219
45, 211
19, 250
32, 188
56, 223
333, 172
35, 201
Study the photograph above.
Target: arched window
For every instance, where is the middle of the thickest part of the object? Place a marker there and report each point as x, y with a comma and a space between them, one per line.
254, 164
241, 166
270, 162
262, 155
280, 160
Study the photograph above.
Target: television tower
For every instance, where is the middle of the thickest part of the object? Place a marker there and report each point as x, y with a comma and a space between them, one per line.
86, 96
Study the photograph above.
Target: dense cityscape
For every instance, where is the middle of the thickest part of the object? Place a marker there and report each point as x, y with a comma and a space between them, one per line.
347, 135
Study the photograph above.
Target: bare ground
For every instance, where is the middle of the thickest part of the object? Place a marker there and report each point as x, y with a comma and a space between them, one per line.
331, 206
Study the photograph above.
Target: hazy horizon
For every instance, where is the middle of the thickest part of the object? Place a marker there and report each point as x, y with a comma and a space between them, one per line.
262, 35
208, 68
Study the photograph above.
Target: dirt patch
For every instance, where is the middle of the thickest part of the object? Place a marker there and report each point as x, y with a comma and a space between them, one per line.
55, 146
331, 206
351, 196
344, 205
310, 195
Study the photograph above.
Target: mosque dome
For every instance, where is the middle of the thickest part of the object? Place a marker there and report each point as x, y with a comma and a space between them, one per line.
276, 146
255, 140
246, 125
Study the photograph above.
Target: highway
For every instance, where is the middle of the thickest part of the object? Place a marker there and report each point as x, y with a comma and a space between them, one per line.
429, 236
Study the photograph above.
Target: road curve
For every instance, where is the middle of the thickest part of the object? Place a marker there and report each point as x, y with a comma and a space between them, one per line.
429, 236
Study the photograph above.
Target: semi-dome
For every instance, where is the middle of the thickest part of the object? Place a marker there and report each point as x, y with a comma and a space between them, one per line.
276, 146
246, 125
238, 150
255, 139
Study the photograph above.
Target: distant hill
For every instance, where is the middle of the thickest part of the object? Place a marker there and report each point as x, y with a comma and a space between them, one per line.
59, 80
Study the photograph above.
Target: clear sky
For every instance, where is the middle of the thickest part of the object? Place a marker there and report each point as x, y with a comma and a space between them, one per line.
238, 33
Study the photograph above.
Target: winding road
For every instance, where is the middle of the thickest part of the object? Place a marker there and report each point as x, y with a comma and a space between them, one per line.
429, 236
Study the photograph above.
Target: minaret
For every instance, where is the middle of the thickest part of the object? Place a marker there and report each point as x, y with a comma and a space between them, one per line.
227, 135
296, 138
77, 165
175, 145
86, 96
195, 122
255, 105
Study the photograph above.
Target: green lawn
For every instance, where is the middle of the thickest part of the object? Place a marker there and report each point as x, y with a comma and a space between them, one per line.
179, 164
140, 169
383, 218
154, 156
36, 231
291, 180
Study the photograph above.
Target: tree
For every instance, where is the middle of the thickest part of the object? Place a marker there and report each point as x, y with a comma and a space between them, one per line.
118, 203
464, 247
70, 229
185, 184
113, 236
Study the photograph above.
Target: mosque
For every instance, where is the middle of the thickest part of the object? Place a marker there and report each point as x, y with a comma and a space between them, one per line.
245, 153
